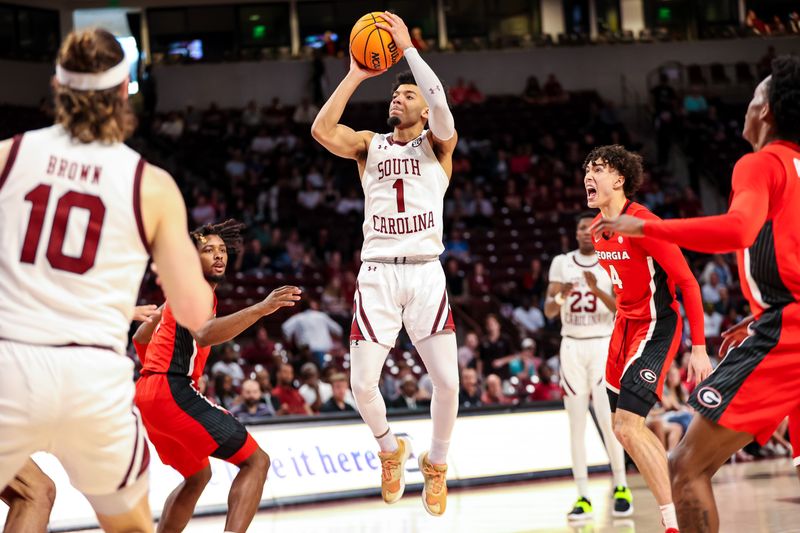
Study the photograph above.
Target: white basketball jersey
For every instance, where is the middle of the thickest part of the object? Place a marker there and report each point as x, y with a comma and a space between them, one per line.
72, 241
583, 315
404, 187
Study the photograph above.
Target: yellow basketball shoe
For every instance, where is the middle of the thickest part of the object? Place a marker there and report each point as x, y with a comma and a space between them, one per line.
393, 470
434, 495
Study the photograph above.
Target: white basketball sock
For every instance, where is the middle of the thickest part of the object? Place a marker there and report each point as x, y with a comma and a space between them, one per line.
439, 353
366, 362
668, 515
602, 410
577, 410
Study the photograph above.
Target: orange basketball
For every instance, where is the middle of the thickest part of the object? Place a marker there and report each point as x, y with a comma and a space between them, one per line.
372, 47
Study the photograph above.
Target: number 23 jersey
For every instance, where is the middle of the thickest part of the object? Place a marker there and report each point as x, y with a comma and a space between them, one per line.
72, 239
404, 186
583, 315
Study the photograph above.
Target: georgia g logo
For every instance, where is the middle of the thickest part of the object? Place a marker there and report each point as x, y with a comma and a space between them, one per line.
648, 375
709, 397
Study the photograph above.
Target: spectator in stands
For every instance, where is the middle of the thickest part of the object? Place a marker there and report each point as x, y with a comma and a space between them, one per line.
548, 388
533, 93
473, 94
333, 301
665, 107
694, 101
712, 289
479, 283
352, 203
338, 403
229, 364
417, 40
264, 381
777, 27
456, 246
263, 142
252, 260
305, 113
493, 392
408, 398
224, 392
291, 401
495, 345
250, 406
713, 322
203, 212
172, 128
672, 415
764, 66
312, 329
794, 22
261, 350
251, 116
732, 318
456, 282
720, 267
458, 92
314, 391
533, 281
470, 393
468, 353
275, 114
553, 90
528, 318
755, 24
236, 167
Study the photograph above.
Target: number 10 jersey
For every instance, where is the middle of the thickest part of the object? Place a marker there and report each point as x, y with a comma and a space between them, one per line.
72, 240
404, 186
583, 315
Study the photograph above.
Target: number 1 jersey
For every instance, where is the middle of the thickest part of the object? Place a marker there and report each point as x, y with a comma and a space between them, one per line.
72, 238
404, 186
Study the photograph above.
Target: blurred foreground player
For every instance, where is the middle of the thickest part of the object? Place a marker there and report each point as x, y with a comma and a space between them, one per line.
404, 175
580, 293
756, 385
79, 214
648, 326
184, 426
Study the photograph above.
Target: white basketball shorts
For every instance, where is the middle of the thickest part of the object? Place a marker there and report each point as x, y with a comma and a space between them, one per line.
389, 296
76, 403
583, 364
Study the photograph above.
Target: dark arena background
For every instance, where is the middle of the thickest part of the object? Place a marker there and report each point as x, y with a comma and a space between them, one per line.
225, 93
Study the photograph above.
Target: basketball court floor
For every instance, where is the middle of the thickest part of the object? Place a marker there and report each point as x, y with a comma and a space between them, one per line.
753, 498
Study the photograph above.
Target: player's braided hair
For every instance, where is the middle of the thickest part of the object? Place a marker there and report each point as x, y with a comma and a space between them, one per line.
627, 164
784, 97
229, 231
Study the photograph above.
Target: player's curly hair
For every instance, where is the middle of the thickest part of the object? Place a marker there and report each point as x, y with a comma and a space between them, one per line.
784, 97
229, 231
627, 164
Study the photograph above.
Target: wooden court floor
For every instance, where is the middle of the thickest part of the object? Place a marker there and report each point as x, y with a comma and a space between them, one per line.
753, 498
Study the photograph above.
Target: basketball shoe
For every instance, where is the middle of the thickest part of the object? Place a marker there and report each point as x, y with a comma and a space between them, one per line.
434, 494
393, 470
623, 502
582, 510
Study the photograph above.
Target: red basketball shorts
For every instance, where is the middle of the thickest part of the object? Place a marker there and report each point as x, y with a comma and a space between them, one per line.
639, 356
186, 428
757, 383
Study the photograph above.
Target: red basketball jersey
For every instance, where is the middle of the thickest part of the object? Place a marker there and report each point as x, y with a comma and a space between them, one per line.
761, 225
645, 272
173, 349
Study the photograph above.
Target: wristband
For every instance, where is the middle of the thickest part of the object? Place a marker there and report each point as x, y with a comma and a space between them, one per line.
559, 299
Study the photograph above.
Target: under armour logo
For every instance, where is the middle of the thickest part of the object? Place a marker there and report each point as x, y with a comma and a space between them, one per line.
435, 90
370, 268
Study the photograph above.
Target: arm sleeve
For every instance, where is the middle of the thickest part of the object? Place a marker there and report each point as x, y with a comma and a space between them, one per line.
671, 259
555, 274
440, 119
755, 176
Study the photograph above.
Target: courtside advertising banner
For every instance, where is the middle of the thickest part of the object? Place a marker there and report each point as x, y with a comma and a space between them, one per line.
337, 459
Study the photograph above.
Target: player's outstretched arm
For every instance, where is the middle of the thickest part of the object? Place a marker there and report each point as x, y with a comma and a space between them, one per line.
165, 225
440, 119
337, 138
219, 330
671, 259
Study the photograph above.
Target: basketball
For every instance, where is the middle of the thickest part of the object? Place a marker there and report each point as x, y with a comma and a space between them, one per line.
372, 47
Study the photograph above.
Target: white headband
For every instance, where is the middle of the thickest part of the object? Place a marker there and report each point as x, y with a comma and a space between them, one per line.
93, 81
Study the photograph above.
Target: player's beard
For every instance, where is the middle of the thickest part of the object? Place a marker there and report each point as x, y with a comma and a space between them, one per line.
211, 278
393, 121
